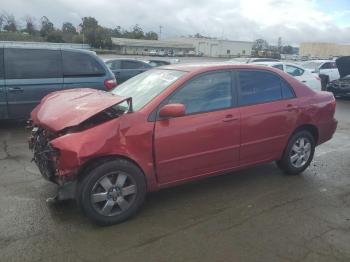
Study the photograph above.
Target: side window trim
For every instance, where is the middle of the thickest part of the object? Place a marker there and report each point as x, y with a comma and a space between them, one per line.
234, 102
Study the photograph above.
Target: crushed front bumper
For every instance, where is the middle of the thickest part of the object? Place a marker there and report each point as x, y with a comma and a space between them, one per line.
46, 157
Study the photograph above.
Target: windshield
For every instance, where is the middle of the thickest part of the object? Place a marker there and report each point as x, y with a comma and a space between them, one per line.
144, 87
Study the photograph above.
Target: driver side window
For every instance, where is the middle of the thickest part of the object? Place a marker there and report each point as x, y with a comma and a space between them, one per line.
205, 93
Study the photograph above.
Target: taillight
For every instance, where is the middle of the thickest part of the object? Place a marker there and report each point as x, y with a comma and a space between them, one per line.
318, 78
110, 83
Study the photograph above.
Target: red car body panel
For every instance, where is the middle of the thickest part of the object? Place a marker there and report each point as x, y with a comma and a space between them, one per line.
71, 107
176, 150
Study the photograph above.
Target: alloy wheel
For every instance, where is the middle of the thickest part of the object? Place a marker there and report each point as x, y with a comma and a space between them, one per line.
300, 153
113, 193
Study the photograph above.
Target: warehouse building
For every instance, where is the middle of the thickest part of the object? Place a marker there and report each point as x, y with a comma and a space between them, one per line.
184, 45
128, 46
217, 48
323, 50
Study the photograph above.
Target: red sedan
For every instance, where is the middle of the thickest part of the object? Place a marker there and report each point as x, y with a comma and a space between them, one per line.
172, 125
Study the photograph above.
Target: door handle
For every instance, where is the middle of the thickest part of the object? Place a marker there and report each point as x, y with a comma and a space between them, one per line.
303, 81
15, 90
290, 107
230, 118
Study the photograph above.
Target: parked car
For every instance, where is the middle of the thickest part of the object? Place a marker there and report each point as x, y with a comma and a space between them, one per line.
161, 53
155, 63
172, 125
124, 69
153, 52
303, 75
341, 86
27, 74
326, 69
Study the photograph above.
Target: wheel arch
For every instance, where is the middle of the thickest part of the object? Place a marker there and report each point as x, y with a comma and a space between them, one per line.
96, 161
308, 127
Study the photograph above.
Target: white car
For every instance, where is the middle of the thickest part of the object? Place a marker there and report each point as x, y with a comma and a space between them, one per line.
323, 67
303, 75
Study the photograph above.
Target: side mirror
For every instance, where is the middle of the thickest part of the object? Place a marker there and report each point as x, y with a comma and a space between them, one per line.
172, 110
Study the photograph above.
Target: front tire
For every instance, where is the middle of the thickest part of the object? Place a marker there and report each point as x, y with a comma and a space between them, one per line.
112, 192
298, 153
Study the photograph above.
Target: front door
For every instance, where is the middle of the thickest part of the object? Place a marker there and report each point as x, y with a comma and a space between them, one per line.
30, 75
206, 139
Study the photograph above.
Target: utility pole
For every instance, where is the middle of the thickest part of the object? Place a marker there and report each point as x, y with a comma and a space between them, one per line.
160, 32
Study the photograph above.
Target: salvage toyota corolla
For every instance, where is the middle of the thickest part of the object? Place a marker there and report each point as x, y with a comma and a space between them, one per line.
172, 125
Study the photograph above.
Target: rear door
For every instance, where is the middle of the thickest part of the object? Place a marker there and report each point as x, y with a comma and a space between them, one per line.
81, 70
206, 139
268, 114
30, 75
3, 99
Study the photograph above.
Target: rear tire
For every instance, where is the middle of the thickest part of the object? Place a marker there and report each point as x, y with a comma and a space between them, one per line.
111, 192
298, 154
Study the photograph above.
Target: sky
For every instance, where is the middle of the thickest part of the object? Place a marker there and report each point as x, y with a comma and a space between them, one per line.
295, 21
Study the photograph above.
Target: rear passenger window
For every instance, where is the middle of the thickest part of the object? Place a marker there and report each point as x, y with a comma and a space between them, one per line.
77, 64
259, 87
2, 69
131, 65
205, 93
32, 63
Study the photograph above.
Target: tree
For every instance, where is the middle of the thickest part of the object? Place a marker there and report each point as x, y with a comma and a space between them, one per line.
2, 21
10, 23
260, 44
287, 49
151, 35
55, 36
68, 28
46, 27
96, 35
30, 27
117, 32
137, 32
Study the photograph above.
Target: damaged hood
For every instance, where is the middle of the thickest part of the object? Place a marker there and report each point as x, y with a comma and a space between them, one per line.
69, 108
343, 64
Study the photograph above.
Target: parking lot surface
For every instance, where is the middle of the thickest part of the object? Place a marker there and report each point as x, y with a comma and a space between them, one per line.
258, 214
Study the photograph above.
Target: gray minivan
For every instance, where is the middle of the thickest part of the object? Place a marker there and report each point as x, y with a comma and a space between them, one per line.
27, 74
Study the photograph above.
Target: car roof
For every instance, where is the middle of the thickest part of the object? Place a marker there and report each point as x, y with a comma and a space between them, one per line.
277, 63
124, 59
318, 61
210, 66
44, 47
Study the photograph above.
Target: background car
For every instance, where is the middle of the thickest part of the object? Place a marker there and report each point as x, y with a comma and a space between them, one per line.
303, 75
341, 86
155, 63
27, 74
124, 69
173, 125
326, 69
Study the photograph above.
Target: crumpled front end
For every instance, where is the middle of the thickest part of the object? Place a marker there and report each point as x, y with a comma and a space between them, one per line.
44, 155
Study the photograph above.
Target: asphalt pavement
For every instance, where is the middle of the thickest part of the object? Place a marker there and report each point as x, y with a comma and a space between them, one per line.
258, 214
